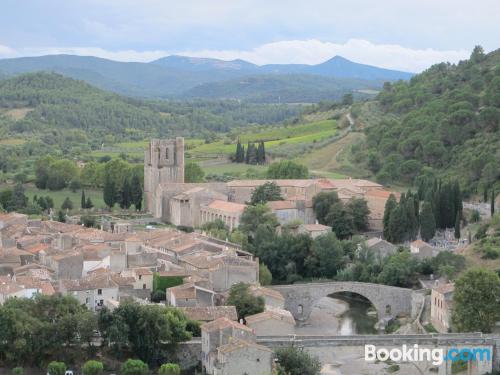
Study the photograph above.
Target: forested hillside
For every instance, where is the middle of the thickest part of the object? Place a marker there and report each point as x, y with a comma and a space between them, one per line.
285, 88
444, 120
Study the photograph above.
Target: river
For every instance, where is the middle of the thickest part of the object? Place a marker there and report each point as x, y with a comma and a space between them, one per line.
343, 315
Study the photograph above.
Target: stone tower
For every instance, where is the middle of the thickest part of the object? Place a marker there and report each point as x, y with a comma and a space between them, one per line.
163, 163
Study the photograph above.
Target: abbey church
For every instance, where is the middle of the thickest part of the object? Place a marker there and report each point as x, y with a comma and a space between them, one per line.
172, 200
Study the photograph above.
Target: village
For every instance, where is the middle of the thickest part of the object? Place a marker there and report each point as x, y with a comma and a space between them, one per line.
103, 267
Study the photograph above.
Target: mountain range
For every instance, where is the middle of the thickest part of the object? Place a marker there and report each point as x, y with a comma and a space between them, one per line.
178, 77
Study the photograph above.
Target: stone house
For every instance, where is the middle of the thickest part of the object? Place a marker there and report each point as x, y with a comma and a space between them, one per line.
442, 306
272, 298
222, 270
210, 313
91, 291
228, 212
422, 249
380, 247
241, 357
314, 230
67, 265
190, 295
219, 333
272, 322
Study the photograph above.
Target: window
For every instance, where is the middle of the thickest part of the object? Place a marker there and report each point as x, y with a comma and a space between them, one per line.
87, 300
143, 286
99, 292
166, 153
140, 277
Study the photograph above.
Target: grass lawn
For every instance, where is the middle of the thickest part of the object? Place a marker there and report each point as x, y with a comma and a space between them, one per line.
60, 196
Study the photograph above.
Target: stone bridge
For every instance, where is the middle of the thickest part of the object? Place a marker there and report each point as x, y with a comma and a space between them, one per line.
389, 301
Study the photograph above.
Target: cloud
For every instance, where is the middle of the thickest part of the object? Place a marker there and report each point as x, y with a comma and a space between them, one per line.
313, 51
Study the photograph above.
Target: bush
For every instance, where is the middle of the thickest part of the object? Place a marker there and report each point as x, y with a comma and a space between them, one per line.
17, 371
92, 368
134, 367
56, 368
169, 369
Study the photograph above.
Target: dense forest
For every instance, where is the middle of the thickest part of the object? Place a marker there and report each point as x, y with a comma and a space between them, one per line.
443, 122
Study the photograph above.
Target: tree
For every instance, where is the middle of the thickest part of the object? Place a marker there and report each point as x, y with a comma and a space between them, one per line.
246, 303
67, 204
136, 191
92, 368
390, 205
88, 203
261, 153
169, 369
134, 367
18, 199
359, 211
257, 216
61, 217
457, 227
427, 222
109, 192
251, 156
341, 221
83, 202
295, 361
287, 169
125, 195
347, 99
56, 368
476, 301
267, 192
193, 172
322, 202
240, 153
326, 257
265, 276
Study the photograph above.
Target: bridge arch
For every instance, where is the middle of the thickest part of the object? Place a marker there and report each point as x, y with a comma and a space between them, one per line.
388, 301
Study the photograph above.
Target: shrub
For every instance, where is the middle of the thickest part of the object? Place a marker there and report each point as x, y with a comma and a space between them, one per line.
92, 368
134, 367
17, 371
56, 368
169, 369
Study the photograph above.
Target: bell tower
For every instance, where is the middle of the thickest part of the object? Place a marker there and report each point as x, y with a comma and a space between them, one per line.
163, 164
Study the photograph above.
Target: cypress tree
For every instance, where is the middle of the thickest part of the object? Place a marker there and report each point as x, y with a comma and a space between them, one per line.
125, 197
83, 202
136, 192
457, 227
411, 219
485, 194
239, 156
88, 203
109, 194
390, 205
243, 155
397, 223
427, 222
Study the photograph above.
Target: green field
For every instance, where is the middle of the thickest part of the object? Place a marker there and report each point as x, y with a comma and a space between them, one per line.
273, 138
234, 169
59, 196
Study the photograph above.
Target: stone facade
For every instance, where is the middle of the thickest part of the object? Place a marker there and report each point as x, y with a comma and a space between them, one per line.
441, 307
163, 163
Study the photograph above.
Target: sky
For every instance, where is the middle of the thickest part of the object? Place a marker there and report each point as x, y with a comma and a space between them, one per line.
407, 35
